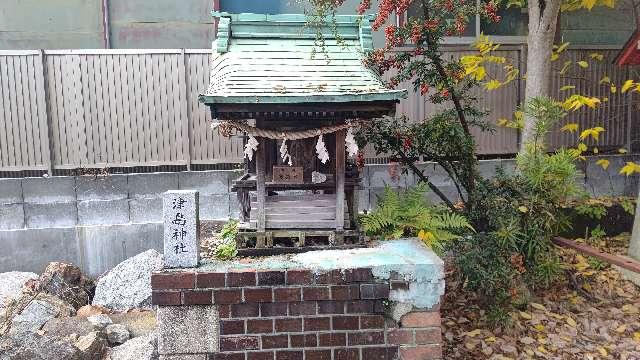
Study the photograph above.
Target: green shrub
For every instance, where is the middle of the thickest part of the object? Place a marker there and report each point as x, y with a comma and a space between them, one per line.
408, 213
226, 248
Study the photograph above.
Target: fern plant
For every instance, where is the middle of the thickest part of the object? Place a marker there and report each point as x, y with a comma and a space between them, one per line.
408, 213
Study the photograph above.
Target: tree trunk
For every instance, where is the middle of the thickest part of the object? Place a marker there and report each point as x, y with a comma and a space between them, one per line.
543, 16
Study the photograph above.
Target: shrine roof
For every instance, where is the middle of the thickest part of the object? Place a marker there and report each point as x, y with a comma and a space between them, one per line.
276, 59
630, 53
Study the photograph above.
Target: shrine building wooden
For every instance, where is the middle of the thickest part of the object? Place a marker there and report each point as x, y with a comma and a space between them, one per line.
295, 97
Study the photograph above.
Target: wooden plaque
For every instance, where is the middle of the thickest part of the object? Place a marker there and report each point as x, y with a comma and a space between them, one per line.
287, 174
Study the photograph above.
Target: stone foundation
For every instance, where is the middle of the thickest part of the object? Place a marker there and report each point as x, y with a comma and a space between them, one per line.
365, 304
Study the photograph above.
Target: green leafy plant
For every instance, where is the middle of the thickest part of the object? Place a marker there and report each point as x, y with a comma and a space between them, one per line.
593, 210
408, 213
597, 234
226, 248
629, 205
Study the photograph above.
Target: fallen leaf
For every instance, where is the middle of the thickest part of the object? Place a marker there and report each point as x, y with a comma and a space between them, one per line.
525, 315
538, 306
571, 322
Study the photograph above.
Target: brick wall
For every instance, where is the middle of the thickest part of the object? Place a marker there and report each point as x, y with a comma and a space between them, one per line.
301, 315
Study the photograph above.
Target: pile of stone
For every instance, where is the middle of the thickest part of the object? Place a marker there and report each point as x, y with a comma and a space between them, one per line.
62, 314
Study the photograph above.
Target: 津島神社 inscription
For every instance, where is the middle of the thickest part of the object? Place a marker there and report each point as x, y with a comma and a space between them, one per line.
181, 222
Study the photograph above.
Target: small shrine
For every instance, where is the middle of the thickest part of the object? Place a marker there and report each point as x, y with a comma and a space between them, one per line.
296, 98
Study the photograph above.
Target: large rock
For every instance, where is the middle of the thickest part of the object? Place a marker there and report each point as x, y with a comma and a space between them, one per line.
117, 334
139, 348
92, 346
11, 285
66, 327
31, 346
38, 311
128, 285
65, 281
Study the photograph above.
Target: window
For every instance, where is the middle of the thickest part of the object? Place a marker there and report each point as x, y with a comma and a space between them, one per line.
259, 6
512, 27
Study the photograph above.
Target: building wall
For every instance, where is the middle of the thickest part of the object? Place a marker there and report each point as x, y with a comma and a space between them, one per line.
600, 26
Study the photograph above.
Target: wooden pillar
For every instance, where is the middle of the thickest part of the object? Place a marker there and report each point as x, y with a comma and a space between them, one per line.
339, 176
261, 192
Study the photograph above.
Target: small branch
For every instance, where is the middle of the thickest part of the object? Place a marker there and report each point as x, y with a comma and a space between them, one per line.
425, 179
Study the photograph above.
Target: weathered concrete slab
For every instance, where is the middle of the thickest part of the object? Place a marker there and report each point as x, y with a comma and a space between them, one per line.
145, 210
151, 185
111, 187
103, 212
207, 182
49, 190
51, 215
215, 206
177, 323
10, 191
33, 249
379, 176
11, 216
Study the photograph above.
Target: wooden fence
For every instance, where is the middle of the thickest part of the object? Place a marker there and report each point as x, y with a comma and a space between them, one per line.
72, 109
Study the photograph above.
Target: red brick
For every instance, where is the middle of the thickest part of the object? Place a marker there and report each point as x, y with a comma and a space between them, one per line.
235, 343
231, 327
400, 336
346, 354
245, 310
365, 338
260, 355
332, 339
374, 291
289, 325
258, 295
345, 292
289, 355
345, 323
379, 306
270, 277
358, 275
371, 322
317, 324
360, 307
166, 298
399, 285
273, 309
421, 319
224, 311
227, 356
304, 340
336, 277
210, 280
275, 341
302, 308
241, 278
259, 326
197, 297
317, 354
426, 352
227, 296
380, 353
330, 307
429, 336
174, 280
299, 277
287, 294
316, 293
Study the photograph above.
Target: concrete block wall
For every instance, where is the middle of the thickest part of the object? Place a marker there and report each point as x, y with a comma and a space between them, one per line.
96, 222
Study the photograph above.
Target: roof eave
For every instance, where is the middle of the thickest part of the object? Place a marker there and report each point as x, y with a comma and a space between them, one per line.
394, 95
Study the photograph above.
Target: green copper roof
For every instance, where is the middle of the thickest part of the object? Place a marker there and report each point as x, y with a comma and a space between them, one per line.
275, 59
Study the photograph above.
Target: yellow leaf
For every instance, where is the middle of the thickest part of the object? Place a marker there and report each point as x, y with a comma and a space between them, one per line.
609, 3
565, 67
630, 168
490, 339
571, 322
539, 327
562, 47
604, 163
473, 333
567, 87
583, 64
502, 122
588, 4
636, 336
593, 132
605, 80
613, 89
595, 150
622, 151
493, 84
525, 315
538, 306
603, 351
597, 56
571, 127
582, 147
523, 209
621, 329
630, 309
626, 86
554, 56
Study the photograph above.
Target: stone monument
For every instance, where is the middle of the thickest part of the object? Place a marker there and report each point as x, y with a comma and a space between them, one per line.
181, 229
